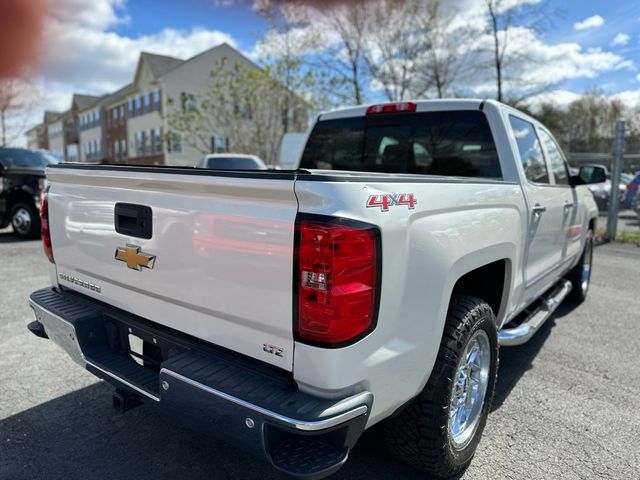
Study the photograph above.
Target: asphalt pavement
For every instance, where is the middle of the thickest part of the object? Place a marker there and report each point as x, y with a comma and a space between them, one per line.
567, 403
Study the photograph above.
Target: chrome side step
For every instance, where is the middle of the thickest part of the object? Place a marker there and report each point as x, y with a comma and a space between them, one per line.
522, 333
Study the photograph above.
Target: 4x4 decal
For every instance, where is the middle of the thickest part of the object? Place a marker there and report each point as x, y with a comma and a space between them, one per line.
387, 200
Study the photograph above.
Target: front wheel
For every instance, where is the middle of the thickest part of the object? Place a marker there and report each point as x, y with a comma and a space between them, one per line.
438, 431
580, 275
25, 220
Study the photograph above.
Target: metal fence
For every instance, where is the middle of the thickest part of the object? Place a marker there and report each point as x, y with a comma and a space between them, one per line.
616, 162
630, 162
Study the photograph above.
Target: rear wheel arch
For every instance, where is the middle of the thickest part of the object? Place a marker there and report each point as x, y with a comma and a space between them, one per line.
489, 282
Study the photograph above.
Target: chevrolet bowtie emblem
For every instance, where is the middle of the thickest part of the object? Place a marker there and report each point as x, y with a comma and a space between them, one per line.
132, 256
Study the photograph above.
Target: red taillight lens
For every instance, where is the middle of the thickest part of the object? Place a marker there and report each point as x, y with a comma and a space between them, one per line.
337, 277
391, 108
44, 226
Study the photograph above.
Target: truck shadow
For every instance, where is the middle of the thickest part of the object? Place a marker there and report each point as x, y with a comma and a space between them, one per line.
515, 361
79, 436
7, 236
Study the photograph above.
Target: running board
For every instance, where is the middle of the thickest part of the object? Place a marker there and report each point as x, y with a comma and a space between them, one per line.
510, 337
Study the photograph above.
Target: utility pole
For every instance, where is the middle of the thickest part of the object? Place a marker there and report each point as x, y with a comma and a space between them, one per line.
614, 195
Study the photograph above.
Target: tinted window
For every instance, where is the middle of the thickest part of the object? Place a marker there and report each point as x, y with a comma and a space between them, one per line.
531, 156
455, 143
20, 158
230, 163
556, 159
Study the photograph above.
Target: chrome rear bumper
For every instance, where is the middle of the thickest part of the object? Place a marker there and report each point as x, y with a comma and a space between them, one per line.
219, 393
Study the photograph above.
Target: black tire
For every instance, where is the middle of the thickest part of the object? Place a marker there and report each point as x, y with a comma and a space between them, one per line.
419, 435
577, 274
25, 220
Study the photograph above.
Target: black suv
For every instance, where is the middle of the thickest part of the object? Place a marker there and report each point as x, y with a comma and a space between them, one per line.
21, 181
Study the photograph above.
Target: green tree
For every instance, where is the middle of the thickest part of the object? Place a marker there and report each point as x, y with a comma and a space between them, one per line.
244, 103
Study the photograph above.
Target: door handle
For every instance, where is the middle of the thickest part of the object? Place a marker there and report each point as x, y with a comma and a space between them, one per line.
569, 204
133, 220
538, 209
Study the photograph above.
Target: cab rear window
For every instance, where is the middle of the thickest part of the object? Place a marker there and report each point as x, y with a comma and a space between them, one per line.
455, 143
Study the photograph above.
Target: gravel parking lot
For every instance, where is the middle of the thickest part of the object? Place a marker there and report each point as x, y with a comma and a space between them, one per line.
567, 403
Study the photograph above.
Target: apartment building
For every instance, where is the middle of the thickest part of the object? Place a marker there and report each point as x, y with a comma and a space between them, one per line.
186, 82
130, 125
115, 115
76, 125
145, 124
37, 138
55, 135
91, 132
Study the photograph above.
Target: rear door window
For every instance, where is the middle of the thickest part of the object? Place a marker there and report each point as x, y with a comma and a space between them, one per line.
455, 143
556, 159
535, 168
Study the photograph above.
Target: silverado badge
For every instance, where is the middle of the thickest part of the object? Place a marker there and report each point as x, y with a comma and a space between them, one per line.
134, 258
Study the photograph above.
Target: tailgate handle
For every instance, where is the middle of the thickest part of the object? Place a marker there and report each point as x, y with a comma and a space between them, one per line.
133, 220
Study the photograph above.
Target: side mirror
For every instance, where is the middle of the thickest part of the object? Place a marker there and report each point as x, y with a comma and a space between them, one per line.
589, 174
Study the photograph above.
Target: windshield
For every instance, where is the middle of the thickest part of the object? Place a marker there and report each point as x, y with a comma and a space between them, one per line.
230, 163
19, 158
457, 143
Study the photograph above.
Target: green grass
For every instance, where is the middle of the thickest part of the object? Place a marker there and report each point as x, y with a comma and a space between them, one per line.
624, 236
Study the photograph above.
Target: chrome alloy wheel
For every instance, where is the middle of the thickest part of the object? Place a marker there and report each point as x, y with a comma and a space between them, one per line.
586, 265
469, 389
21, 221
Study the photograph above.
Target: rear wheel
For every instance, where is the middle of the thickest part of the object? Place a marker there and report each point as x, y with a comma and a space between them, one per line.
580, 275
25, 220
439, 431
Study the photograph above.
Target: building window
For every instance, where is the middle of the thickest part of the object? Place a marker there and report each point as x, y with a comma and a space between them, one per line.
143, 142
218, 144
139, 143
174, 143
156, 100
157, 141
243, 111
121, 108
188, 102
147, 102
131, 106
138, 105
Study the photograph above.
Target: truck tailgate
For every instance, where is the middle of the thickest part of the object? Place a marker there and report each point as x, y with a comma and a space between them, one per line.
219, 262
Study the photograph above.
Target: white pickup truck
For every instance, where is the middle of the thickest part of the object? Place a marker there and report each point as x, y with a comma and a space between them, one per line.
288, 311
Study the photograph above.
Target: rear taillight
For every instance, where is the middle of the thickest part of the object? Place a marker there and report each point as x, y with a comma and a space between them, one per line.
44, 225
396, 107
337, 278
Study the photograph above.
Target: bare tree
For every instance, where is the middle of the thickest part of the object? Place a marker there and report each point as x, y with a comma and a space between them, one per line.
445, 60
337, 43
392, 46
282, 51
16, 104
503, 17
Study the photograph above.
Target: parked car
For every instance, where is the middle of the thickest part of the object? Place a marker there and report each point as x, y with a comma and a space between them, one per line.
231, 161
602, 190
287, 311
22, 178
633, 189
